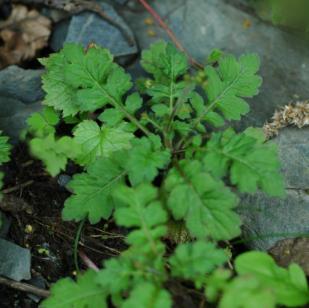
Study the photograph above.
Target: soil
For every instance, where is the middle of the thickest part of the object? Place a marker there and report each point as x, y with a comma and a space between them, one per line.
49, 238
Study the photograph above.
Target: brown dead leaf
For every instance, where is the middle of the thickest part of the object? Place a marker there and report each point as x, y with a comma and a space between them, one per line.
24, 33
292, 250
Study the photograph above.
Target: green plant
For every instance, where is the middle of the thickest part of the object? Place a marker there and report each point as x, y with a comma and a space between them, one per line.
148, 164
5, 148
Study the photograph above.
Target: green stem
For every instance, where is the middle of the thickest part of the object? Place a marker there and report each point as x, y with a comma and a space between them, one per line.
76, 242
116, 104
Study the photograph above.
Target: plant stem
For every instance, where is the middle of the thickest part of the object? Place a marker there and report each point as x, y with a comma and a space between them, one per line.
77, 240
177, 105
169, 32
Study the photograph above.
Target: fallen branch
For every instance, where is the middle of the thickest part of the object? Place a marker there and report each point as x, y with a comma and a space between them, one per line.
24, 287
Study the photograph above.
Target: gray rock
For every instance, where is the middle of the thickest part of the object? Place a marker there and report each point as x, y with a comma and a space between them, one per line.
13, 116
269, 215
87, 26
38, 282
202, 25
20, 84
14, 261
64, 179
6, 223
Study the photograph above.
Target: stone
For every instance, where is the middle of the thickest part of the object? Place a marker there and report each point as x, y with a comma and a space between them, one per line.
22, 85
64, 179
38, 282
87, 26
271, 215
15, 261
6, 223
202, 25
13, 116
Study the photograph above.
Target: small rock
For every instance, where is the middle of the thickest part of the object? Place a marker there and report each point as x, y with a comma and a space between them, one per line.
292, 250
22, 85
38, 282
87, 26
15, 261
64, 179
271, 215
5, 227
14, 115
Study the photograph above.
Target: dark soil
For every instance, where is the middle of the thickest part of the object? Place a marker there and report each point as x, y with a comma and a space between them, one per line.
48, 231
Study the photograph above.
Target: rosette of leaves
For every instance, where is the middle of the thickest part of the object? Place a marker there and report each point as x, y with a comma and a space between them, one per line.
149, 162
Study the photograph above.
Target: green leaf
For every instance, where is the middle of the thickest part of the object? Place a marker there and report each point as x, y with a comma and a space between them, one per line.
54, 153
214, 56
206, 205
146, 157
84, 81
100, 142
289, 285
173, 63
5, 148
247, 292
216, 282
237, 80
193, 260
160, 110
93, 191
117, 275
143, 212
74, 119
59, 93
84, 293
113, 116
150, 60
129, 271
182, 128
44, 124
148, 295
257, 133
170, 92
198, 104
250, 164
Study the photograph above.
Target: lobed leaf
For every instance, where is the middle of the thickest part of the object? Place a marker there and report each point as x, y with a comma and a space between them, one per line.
93, 191
251, 163
43, 124
100, 142
150, 60
84, 293
54, 153
247, 292
5, 148
148, 295
236, 79
146, 157
129, 271
143, 212
193, 260
213, 118
173, 63
113, 116
206, 204
288, 285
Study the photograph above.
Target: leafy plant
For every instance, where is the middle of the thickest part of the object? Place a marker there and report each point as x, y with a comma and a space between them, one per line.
5, 148
149, 163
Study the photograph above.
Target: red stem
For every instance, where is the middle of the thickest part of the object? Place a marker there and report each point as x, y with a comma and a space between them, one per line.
87, 261
169, 32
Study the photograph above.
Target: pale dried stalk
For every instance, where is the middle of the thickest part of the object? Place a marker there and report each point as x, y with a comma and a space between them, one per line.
297, 115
